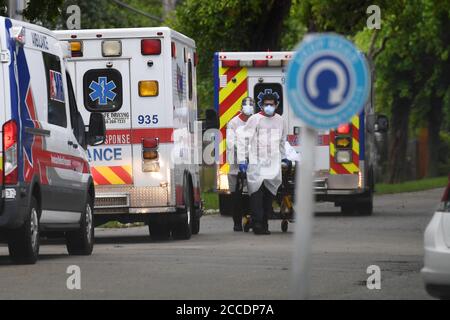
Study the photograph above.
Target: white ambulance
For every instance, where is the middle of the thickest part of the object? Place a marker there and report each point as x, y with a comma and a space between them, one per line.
45, 178
144, 82
345, 157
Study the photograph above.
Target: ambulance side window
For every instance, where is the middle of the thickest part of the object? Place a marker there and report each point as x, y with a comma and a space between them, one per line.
78, 131
55, 90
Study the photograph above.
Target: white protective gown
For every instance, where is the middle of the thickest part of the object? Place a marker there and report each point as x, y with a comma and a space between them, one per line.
266, 148
232, 126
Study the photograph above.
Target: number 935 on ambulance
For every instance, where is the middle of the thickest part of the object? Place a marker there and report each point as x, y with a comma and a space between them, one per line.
143, 81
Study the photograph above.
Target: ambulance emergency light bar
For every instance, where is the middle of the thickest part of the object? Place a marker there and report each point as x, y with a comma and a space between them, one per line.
113, 48
255, 59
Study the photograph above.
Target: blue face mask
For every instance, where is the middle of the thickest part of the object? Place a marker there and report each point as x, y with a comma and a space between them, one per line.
269, 110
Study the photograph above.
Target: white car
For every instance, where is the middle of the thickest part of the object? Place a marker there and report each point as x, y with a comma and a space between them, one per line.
436, 270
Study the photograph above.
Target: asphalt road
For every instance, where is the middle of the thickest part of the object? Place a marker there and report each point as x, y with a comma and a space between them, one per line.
221, 264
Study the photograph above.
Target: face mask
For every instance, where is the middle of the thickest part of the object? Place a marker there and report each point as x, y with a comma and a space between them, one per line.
247, 109
269, 110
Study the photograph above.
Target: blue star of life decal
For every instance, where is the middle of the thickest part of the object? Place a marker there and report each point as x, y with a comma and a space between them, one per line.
266, 91
102, 91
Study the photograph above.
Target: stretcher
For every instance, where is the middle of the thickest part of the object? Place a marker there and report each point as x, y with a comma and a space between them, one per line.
284, 210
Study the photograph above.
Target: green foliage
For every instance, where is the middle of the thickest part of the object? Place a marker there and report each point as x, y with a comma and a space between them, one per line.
231, 25
412, 186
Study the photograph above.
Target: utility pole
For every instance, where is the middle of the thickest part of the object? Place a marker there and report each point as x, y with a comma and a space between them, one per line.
168, 6
16, 8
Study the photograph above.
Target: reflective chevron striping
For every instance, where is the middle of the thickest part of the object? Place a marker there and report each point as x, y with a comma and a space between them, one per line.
112, 175
230, 98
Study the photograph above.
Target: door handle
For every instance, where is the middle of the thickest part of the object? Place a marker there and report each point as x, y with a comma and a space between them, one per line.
75, 146
70, 143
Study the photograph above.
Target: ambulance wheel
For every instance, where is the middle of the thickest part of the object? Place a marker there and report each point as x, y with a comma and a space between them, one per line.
196, 225
81, 241
159, 230
284, 225
182, 230
23, 243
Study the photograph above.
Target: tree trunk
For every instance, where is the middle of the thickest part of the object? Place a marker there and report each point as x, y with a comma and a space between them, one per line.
268, 31
434, 125
401, 109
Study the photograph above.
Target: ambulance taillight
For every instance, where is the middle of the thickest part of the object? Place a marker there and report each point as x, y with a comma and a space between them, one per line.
10, 152
195, 59
150, 47
343, 143
174, 50
150, 155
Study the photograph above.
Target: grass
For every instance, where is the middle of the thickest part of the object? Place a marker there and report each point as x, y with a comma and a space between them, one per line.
411, 186
117, 224
210, 200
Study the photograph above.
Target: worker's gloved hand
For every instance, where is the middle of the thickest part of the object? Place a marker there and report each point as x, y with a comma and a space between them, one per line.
243, 167
286, 162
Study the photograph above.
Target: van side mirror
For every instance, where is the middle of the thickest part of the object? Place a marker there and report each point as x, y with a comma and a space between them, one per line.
211, 121
381, 124
97, 129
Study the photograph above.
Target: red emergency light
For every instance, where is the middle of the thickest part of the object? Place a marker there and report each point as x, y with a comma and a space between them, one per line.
344, 129
260, 63
230, 63
150, 47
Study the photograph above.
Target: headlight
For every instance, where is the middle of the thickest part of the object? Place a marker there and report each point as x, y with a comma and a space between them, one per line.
343, 156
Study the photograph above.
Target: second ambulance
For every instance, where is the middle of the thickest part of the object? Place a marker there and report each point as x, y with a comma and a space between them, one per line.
144, 82
345, 157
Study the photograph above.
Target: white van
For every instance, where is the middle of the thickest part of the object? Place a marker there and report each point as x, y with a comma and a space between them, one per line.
144, 81
45, 179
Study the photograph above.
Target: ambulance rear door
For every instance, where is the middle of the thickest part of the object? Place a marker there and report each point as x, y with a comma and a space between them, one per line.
106, 88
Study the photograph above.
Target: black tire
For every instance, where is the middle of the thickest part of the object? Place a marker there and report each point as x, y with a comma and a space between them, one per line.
159, 230
284, 225
182, 230
196, 224
81, 241
23, 243
348, 209
365, 208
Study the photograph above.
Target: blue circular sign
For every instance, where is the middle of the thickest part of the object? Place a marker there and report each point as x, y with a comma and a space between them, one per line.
328, 81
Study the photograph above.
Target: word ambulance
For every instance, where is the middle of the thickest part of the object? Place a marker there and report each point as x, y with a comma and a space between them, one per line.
345, 157
143, 80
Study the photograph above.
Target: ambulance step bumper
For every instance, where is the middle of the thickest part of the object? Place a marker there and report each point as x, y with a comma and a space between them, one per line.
107, 201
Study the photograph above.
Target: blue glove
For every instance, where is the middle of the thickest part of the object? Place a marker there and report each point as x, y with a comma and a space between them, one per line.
243, 167
287, 162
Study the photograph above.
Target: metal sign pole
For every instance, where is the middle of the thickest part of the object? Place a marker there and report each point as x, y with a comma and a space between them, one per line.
304, 209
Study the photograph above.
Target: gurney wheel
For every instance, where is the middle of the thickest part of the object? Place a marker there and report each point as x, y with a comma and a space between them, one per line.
246, 224
284, 225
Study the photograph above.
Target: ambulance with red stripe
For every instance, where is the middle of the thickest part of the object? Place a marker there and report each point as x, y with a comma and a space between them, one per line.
345, 157
143, 80
47, 188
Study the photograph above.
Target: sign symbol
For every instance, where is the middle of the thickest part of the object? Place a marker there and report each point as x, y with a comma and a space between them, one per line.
102, 91
328, 81
336, 94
